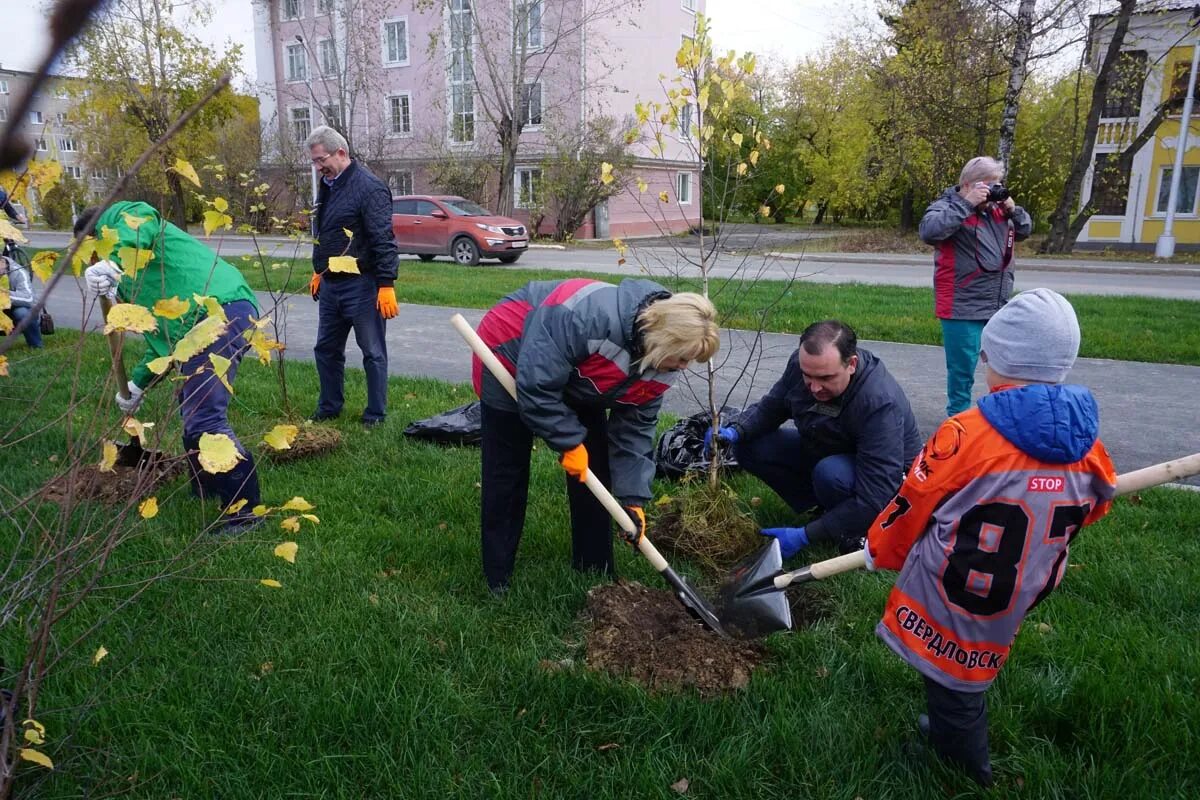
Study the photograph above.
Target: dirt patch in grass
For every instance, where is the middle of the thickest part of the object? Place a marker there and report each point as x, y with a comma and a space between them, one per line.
647, 636
123, 484
311, 440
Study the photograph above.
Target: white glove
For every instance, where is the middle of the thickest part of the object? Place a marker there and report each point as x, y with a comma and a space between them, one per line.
128, 406
102, 279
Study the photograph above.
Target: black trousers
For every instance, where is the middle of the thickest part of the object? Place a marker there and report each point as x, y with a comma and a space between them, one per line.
506, 445
958, 729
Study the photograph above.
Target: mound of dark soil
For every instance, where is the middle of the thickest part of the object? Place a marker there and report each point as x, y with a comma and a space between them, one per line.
311, 440
87, 482
647, 635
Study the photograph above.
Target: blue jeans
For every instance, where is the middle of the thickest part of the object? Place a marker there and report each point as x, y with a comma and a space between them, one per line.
802, 478
960, 341
204, 407
33, 331
349, 303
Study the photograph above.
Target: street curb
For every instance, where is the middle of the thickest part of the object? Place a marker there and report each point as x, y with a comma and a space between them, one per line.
1119, 268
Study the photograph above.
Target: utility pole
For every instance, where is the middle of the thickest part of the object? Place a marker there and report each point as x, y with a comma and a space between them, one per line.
312, 118
1165, 246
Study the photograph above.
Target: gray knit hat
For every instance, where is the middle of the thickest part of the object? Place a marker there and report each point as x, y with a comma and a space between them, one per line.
1034, 337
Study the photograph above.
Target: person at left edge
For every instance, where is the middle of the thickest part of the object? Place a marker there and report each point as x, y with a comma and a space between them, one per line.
591, 362
182, 267
350, 198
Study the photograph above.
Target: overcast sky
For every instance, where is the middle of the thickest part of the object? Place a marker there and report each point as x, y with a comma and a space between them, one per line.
786, 28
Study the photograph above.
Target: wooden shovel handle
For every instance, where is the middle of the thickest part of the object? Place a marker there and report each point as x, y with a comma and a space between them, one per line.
480, 348
1137, 480
115, 346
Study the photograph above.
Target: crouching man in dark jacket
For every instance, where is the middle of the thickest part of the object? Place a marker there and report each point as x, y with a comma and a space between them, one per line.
854, 437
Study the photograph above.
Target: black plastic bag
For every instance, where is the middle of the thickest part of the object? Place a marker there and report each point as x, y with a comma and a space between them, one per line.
457, 426
46, 323
681, 448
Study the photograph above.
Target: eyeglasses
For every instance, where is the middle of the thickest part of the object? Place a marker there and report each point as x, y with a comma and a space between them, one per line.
321, 159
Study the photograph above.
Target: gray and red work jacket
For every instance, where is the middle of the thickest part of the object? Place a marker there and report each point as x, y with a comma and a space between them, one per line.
574, 343
973, 259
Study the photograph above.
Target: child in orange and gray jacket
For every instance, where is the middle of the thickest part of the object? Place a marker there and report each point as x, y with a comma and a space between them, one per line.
981, 526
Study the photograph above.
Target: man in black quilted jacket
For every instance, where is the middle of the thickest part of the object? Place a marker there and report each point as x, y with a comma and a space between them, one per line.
354, 272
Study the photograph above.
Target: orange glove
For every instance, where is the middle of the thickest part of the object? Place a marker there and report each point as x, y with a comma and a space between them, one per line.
575, 462
314, 286
639, 520
385, 301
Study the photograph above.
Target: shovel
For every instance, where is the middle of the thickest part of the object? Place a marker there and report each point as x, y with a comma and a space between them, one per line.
132, 453
696, 605
752, 601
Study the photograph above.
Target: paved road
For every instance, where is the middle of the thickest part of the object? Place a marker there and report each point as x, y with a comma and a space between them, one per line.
1178, 281
1148, 411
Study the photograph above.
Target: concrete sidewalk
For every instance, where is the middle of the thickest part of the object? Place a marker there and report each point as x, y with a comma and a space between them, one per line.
1148, 411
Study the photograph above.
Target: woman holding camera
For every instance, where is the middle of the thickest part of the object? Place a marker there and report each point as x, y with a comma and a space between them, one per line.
974, 227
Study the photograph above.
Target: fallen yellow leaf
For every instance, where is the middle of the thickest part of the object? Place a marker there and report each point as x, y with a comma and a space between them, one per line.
101, 652
218, 453
271, 583
129, 317
344, 264
297, 504
171, 307
148, 508
37, 757
281, 436
287, 551
109, 458
187, 170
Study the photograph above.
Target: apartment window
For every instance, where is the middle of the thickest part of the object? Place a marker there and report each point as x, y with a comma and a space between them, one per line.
400, 182
62, 94
297, 63
41, 145
100, 173
333, 115
66, 144
1124, 96
75, 171
3, 87
1179, 83
1110, 187
120, 171
3, 114
683, 187
395, 42
324, 6
688, 5
327, 57
685, 120
1185, 201
462, 92
529, 25
60, 118
36, 118
399, 111
301, 123
531, 105
292, 9
528, 188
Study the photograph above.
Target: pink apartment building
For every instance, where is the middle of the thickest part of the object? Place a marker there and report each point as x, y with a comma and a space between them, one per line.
412, 82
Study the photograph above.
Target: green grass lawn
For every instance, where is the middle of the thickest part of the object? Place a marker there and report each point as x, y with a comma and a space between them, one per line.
383, 669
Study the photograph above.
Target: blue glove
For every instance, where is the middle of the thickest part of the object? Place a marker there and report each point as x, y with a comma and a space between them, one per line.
725, 436
791, 540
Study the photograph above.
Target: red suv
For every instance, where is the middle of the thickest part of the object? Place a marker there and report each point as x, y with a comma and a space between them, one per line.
431, 226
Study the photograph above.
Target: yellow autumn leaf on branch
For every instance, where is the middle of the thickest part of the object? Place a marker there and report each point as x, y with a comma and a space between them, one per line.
754, 158
642, 185
5, 297
741, 168
287, 551
780, 188
6, 323
108, 457
34, 736
220, 204
344, 264
101, 652
271, 583
171, 307
281, 436
297, 504
290, 524
37, 757
3, 364
261, 510
136, 428
262, 345
45, 175
10, 231
214, 219
663, 198
159, 365
129, 317
220, 369
236, 506
212, 307
133, 259
736, 138
349, 233
109, 238
218, 453
43, 264
202, 334
606, 176
764, 211
148, 508
188, 171
311, 518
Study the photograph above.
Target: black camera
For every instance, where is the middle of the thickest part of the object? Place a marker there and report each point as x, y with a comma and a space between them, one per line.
997, 193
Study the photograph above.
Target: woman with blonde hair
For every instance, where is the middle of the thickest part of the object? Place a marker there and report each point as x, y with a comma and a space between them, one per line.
591, 362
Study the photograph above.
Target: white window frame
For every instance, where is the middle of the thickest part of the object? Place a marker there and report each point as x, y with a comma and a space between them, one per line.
688, 5
288, 62
388, 116
525, 176
464, 85
3, 113
519, 6
322, 8
383, 33
524, 108
687, 122
36, 117
283, 4
3, 87
41, 144
1163, 184
399, 190
66, 144
322, 45
334, 120
100, 173
683, 188
60, 118
75, 171
292, 122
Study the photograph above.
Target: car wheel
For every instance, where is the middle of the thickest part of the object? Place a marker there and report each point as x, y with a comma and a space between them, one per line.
465, 251
425, 256
509, 259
